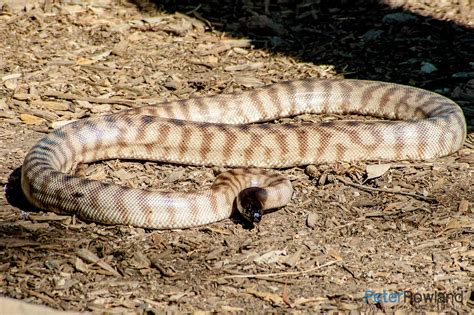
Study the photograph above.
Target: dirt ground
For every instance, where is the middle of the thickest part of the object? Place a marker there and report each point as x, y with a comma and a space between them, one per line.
342, 238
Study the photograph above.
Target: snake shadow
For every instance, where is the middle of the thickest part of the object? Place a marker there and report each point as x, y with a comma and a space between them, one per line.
14, 194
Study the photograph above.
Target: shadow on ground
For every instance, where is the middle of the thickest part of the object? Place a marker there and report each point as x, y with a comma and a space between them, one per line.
361, 39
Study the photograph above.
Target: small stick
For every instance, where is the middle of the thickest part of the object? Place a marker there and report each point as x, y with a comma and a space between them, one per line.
98, 100
390, 191
279, 274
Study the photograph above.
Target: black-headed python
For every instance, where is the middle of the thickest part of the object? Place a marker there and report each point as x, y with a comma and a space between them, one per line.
217, 131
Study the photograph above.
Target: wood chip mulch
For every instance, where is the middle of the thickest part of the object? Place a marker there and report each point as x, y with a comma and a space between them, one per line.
350, 231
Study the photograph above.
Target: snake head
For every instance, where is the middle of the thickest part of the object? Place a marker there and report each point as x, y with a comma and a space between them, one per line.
250, 203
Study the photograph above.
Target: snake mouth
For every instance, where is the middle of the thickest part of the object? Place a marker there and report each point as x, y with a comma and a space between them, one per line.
250, 203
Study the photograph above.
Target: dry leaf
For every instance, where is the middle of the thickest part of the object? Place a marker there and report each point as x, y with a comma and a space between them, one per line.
463, 206
120, 48
285, 296
51, 105
312, 300
81, 266
11, 76
99, 175
292, 259
312, 171
376, 170
101, 108
90, 257
27, 225
312, 220
246, 66
455, 224
140, 260
212, 59
177, 296
84, 61
101, 56
123, 174
270, 257
266, 296
31, 120
469, 253
334, 254
22, 96
232, 309
11, 84
249, 81
50, 216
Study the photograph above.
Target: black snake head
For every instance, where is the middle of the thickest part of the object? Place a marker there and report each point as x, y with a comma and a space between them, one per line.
250, 203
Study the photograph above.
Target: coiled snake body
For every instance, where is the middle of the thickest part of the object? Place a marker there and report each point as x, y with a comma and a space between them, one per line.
216, 131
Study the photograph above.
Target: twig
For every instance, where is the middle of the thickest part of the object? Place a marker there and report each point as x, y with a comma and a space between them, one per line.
390, 191
469, 145
98, 100
279, 274
282, 281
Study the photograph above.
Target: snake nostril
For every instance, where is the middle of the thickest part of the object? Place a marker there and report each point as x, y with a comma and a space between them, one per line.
257, 217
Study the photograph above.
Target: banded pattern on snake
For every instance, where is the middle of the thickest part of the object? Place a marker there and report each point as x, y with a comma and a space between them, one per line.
216, 131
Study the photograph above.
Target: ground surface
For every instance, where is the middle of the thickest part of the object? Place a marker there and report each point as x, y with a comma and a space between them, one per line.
332, 243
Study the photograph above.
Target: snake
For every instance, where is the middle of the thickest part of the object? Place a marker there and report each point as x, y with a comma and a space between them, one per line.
239, 132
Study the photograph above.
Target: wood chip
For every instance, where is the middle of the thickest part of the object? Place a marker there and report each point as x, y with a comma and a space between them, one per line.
120, 48
463, 206
90, 257
294, 258
11, 76
51, 105
31, 120
275, 299
270, 257
312, 220
381, 233
242, 67
312, 171
335, 254
248, 81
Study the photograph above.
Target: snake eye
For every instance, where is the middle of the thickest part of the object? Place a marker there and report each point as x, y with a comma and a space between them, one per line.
250, 203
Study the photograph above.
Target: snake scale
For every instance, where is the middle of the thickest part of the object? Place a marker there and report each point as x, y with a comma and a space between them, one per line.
217, 131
